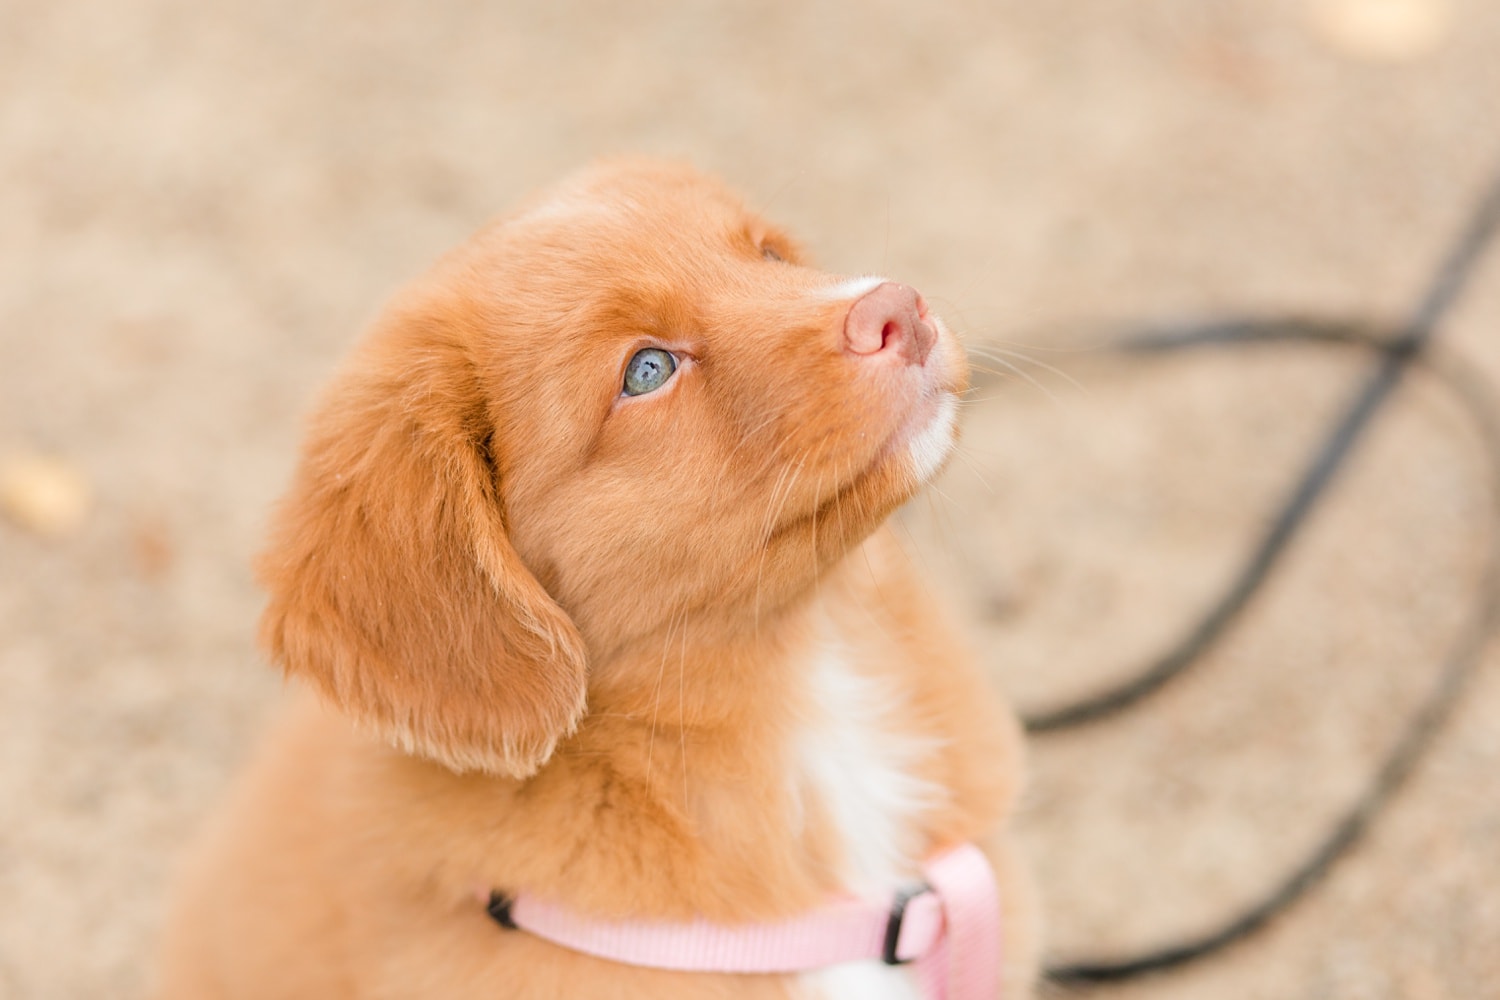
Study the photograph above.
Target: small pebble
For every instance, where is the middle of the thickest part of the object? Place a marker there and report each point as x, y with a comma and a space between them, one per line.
45, 495
1382, 30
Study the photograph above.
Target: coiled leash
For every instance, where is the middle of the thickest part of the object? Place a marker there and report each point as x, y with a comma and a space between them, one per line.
1397, 348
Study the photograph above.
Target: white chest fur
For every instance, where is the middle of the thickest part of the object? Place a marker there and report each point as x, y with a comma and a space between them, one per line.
857, 765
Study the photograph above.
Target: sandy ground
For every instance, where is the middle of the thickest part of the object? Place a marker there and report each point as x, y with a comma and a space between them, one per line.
200, 204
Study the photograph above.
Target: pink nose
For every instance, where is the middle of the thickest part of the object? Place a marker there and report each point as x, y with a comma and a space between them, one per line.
890, 317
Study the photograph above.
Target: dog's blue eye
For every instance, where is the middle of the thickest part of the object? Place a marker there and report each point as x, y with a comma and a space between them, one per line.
648, 371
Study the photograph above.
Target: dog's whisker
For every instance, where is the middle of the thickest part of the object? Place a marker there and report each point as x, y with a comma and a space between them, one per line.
772, 508
656, 699
765, 536
963, 454
885, 252
813, 547
773, 517
939, 493
838, 504
1004, 373
780, 189
817, 505
745, 438
977, 400
1027, 377
938, 517
1003, 356
682, 714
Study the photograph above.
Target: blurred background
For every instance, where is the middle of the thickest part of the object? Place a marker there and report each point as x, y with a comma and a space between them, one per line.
202, 204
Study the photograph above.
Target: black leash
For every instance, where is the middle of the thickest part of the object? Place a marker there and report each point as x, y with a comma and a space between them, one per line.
1398, 350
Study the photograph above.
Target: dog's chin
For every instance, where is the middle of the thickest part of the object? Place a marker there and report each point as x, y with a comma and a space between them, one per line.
926, 439
923, 438
911, 455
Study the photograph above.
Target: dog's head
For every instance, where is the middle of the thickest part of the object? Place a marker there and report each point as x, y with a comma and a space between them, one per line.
630, 402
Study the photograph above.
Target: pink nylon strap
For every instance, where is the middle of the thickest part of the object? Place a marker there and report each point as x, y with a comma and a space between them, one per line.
951, 930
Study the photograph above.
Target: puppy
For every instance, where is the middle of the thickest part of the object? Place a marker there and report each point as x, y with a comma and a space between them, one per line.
583, 580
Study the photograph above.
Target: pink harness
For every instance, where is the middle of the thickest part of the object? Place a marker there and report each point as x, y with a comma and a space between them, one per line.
949, 926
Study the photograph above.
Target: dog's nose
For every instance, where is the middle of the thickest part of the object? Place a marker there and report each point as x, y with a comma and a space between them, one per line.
890, 317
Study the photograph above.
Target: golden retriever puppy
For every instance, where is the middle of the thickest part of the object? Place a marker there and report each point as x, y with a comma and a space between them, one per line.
583, 580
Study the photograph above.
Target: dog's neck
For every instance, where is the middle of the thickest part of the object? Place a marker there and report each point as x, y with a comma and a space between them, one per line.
800, 716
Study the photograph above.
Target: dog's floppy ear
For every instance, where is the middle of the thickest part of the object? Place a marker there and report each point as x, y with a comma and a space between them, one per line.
393, 586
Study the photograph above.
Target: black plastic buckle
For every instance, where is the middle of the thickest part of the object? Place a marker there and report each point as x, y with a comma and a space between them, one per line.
499, 909
893, 926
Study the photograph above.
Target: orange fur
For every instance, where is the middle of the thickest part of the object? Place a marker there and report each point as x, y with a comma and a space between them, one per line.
557, 637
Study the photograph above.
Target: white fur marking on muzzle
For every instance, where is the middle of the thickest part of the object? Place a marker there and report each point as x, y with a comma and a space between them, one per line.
930, 446
851, 288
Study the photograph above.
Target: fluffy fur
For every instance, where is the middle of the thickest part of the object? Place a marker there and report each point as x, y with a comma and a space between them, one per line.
647, 656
